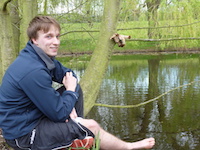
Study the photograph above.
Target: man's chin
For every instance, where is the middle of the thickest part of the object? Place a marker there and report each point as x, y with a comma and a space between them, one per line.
52, 54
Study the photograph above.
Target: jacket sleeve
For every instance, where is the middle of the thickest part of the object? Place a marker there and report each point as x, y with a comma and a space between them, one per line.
37, 85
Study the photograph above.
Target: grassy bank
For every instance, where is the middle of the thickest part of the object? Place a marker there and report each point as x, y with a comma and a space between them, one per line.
80, 62
82, 37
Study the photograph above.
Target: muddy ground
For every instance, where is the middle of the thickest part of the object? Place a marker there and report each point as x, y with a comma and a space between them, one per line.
135, 52
3, 145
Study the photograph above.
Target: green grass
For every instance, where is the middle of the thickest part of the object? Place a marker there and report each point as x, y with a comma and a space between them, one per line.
85, 41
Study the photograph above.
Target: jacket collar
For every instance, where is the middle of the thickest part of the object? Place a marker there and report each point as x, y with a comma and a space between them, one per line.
46, 59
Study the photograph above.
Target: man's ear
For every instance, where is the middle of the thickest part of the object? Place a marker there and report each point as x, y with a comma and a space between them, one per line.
34, 41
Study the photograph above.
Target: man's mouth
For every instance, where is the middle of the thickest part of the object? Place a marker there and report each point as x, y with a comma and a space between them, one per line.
54, 48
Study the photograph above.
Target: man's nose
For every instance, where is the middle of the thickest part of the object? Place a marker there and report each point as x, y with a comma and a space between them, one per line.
56, 41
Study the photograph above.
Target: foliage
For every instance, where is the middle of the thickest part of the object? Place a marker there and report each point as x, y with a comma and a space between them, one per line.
85, 41
175, 20
81, 19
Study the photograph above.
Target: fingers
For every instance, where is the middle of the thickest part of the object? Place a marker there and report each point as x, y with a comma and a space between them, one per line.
69, 81
69, 74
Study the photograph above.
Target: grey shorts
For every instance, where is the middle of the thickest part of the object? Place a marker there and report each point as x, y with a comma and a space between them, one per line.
51, 135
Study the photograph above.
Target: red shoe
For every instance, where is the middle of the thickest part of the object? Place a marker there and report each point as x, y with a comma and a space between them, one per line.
85, 143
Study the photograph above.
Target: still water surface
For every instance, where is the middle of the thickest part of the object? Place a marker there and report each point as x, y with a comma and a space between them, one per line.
173, 119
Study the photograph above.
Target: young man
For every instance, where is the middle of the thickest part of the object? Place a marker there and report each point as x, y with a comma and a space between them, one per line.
33, 115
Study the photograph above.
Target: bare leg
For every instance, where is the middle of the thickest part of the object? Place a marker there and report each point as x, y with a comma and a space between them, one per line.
109, 142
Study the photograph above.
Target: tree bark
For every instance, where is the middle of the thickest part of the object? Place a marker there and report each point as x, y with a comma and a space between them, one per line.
152, 6
94, 73
6, 43
28, 10
15, 19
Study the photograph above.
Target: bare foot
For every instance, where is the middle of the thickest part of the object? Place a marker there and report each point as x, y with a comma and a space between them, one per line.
143, 144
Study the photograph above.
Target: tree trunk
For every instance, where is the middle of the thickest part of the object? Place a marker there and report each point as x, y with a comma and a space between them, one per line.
14, 14
94, 73
6, 36
152, 6
45, 7
28, 10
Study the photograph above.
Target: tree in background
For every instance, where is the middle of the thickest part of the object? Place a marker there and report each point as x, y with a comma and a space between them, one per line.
15, 16
130, 10
27, 10
7, 50
152, 9
94, 73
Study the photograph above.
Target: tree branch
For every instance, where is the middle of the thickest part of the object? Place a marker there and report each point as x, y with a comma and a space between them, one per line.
134, 28
160, 27
5, 4
143, 40
170, 39
73, 9
79, 31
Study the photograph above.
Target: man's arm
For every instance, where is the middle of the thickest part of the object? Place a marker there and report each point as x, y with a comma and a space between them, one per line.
38, 88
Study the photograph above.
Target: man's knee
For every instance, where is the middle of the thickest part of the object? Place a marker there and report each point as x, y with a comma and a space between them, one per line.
91, 125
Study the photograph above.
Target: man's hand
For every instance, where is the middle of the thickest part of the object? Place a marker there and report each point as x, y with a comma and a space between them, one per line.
73, 114
69, 81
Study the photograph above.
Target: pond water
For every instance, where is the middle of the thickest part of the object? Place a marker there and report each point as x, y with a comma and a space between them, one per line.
172, 118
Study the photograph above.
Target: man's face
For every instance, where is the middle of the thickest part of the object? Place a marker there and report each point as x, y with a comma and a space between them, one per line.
49, 42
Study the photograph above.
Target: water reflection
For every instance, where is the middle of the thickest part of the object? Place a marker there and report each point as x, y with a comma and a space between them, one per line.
173, 119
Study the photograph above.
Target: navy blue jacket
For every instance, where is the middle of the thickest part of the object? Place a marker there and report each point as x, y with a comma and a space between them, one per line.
26, 93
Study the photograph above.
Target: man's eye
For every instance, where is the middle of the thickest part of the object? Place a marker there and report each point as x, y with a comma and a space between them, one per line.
48, 36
